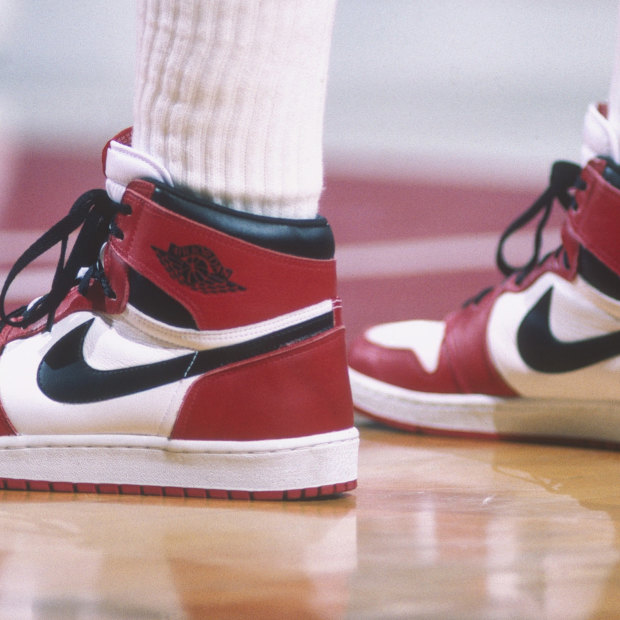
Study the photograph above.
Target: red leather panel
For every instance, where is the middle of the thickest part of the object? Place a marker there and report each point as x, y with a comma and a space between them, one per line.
596, 223
6, 428
466, 352
270, 283
297, 391
400, 367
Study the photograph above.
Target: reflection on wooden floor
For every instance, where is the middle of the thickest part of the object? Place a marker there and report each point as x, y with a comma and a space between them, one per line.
438, 528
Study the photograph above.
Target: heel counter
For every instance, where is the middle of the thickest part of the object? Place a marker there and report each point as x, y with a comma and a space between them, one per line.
300, 390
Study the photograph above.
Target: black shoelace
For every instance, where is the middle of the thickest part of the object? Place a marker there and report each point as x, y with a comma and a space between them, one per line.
94, 212
564, 177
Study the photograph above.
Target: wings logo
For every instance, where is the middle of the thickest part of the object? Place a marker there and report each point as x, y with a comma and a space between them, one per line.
198, 267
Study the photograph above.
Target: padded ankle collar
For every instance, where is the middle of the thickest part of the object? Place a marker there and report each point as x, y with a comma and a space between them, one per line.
304, 238
221, 279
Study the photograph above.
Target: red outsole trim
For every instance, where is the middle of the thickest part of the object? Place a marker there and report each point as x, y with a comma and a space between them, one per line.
330, 490
416, 429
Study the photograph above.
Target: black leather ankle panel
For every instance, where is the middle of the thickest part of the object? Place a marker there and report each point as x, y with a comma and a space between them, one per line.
596, 273
151, 300
304, 238
612, 172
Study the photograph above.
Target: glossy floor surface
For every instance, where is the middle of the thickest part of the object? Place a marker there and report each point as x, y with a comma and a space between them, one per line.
438, 528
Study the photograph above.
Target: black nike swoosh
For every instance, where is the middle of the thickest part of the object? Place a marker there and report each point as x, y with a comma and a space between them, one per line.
65, 376
543, 352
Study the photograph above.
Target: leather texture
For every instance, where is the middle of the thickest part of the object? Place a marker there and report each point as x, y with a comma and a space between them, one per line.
595, 223
300, 390
305, 238
273, 283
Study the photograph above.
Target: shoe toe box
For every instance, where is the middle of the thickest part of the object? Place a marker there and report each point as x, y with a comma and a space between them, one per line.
407, 354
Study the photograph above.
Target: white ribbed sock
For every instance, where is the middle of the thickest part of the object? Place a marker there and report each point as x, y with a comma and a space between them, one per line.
230, 97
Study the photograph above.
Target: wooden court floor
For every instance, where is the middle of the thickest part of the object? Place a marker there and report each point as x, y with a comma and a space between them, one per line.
438, 528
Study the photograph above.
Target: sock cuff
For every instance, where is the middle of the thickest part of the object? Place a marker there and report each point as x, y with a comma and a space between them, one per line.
230, 98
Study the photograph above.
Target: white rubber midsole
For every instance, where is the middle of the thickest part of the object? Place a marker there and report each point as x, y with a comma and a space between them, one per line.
489, 415
269, 465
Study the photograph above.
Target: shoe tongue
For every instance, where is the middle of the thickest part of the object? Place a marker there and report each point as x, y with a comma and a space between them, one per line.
599, 137
122, 164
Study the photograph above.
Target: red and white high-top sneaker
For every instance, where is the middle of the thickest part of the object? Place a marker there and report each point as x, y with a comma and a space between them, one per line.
537, 357
183, 349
